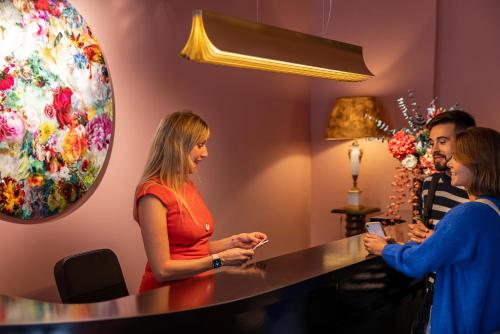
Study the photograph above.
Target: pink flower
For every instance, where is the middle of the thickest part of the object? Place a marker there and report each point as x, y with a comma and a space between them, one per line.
99, 132
49, 111
11, 127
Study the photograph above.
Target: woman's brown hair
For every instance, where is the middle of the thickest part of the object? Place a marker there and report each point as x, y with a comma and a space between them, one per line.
478, 149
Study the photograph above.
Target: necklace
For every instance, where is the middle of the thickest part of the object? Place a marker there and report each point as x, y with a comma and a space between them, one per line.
198, 204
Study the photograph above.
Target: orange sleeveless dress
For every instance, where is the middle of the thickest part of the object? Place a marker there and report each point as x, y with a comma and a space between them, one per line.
188, 239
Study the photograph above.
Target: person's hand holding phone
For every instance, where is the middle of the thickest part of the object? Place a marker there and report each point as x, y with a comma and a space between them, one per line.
374, 244
376, 238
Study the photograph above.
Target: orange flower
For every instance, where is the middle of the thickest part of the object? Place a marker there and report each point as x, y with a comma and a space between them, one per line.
74, 145
93, 53
35, 181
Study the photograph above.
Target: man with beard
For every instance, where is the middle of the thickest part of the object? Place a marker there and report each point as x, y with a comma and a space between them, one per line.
438, 195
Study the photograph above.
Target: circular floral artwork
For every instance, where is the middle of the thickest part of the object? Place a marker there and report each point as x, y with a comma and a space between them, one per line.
56, 110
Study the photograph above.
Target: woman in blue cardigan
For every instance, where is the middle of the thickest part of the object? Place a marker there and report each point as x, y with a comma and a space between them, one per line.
464, 250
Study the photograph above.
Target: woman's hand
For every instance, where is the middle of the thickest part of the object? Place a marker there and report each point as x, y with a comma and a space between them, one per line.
235, 256
247, 240
418, 232
375, 244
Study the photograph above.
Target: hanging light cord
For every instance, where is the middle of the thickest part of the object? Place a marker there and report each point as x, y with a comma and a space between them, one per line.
325, 27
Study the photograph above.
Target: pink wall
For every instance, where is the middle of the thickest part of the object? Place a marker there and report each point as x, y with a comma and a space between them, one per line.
468, 56
257, 174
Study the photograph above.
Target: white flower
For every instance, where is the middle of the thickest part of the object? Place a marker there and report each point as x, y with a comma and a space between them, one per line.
16, 38
9, 15
34, 102
8, 165
410, 161
64, 173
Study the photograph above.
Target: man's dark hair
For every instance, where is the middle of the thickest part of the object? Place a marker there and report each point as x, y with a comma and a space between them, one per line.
460, 118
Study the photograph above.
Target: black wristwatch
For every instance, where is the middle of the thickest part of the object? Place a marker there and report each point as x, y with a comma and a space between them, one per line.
216, 261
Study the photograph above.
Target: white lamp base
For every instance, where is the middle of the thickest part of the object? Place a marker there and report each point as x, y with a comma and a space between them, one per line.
354, 198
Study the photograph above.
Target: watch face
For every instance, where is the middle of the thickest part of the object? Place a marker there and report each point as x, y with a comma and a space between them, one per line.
217, 263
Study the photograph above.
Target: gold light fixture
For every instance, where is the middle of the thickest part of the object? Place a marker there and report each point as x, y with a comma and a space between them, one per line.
223, 40
348, 120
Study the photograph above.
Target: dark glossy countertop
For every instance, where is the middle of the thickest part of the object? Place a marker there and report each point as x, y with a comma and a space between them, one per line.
259, 284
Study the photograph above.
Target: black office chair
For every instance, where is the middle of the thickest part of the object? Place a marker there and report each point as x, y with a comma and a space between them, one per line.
90, 277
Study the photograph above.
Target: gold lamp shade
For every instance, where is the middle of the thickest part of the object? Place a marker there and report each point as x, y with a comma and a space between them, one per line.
224, 40
348, 118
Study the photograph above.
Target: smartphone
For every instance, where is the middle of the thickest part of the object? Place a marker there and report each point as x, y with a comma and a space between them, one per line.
262, 243
375, 228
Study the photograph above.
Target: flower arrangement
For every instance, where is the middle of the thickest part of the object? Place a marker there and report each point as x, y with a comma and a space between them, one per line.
56, 109
411, 146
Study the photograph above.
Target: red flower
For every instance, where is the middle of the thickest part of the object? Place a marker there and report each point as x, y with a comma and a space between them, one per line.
402, 144
42, 5
62, 105
85, 165
54, 10
6, 80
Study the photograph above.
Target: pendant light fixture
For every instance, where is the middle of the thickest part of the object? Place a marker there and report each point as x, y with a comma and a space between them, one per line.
223, 40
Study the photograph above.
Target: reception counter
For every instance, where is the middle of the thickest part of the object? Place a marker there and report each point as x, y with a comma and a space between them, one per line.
333, 287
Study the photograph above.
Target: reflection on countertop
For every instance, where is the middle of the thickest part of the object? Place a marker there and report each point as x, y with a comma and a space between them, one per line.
253, 286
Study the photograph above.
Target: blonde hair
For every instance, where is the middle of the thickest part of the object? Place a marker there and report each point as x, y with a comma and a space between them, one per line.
169, 157
478, 149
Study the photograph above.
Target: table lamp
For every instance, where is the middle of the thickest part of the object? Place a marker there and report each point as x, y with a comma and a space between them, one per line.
348, 120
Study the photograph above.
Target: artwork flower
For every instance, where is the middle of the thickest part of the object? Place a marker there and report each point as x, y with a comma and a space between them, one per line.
46, 130
62, 106
6, 79
56, 109
11, 127
100, 132
11, 195
74, 145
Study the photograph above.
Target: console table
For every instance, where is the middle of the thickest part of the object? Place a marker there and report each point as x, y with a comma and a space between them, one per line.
355, 218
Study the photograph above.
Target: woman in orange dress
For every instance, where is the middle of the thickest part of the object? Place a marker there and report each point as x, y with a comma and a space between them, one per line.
175, 223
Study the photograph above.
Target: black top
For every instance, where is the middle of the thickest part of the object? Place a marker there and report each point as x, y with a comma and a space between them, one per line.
445, 198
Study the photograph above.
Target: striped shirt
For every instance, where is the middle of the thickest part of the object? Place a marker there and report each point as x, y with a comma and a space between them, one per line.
445, 198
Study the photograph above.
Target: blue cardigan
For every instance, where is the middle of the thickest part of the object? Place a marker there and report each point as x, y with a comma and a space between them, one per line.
464, 251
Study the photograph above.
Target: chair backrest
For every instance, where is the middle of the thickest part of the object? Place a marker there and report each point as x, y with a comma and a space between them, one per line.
90, 277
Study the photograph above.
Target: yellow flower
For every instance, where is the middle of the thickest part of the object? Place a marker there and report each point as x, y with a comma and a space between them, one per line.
91, 111
46, 129
56, 201
12, 197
